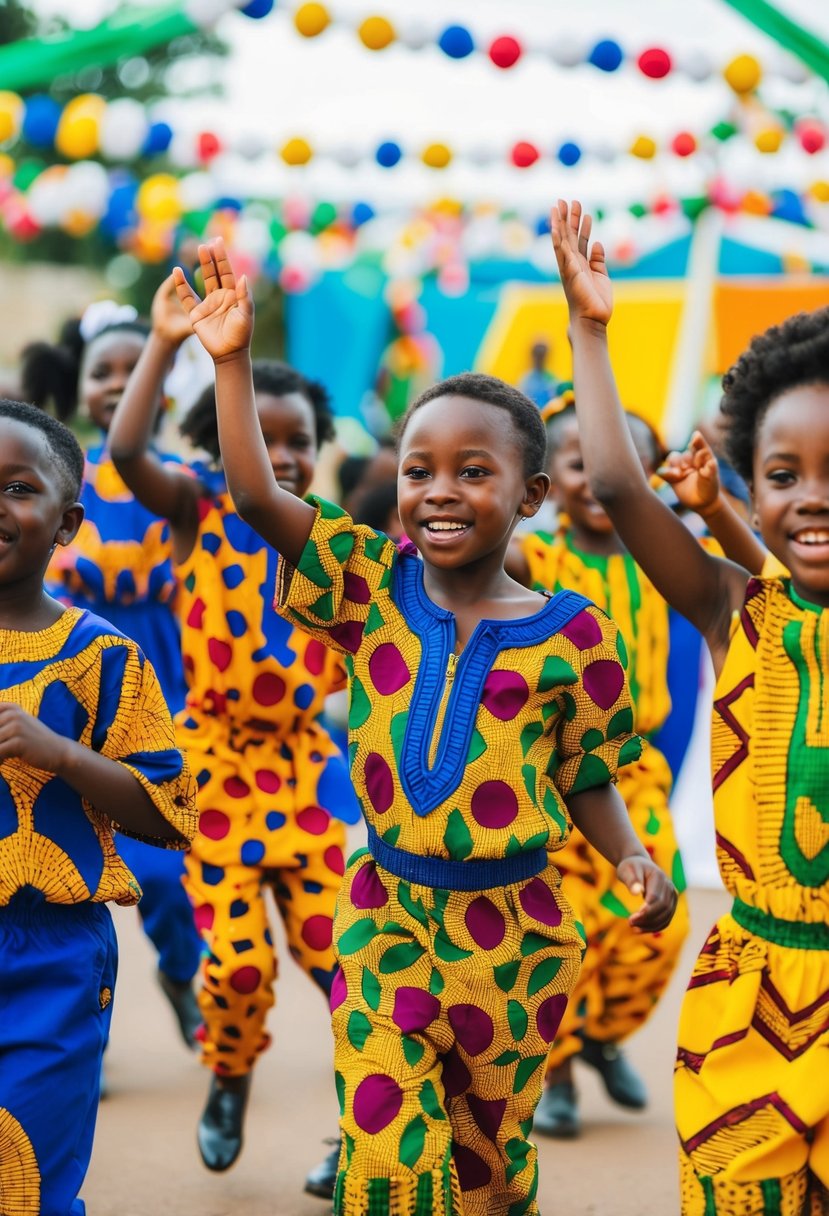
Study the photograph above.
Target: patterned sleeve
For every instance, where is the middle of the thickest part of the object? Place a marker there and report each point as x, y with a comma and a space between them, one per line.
133, 727
344, 572
595, 734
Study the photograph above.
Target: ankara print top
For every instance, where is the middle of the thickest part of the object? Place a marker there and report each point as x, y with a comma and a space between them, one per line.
467, 759
122, 553
88, 683
242, 661
618, 586
770, 755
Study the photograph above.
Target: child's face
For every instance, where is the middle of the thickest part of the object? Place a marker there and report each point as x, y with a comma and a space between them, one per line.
461, 487
34, 514
290, 434
107, 364
790, 488
570, 487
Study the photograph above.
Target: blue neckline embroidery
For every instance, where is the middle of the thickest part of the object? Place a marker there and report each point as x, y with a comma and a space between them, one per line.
425, 787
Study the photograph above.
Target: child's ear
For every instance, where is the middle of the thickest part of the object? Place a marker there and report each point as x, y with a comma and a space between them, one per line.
71, 521
754, 518
535, 491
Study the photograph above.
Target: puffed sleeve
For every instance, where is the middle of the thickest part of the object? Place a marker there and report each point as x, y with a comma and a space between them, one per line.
133, 727
336, 590
595, 732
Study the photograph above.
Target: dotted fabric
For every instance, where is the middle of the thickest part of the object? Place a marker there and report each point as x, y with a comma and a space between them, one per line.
752, 1079
89, 684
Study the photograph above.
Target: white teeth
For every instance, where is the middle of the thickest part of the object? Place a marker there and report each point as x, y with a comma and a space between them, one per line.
444, 525
812, 538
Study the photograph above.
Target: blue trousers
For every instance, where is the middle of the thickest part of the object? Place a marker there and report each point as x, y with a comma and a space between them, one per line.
57, 977
166, 912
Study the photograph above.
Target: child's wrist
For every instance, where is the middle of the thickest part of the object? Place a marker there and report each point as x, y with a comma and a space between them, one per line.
589, 327
711, 510
234, 356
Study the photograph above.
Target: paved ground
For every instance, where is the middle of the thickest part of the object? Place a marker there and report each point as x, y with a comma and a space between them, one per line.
146, 1161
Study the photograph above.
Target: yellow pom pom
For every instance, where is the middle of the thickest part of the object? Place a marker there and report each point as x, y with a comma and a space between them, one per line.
436, 156
376, 33
820, 191
11, 115
756, 203
769, 140
644, 147
743, 74
311, 19
296, 152
159, 199
79, 127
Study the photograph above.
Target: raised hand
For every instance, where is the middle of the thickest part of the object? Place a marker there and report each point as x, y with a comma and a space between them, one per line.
170, 321
582, 268
223, 320
694, 475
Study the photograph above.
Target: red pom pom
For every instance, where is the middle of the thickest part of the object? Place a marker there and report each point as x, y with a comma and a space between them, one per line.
505, 51
655, 63
207, 146
684, 144
524, 154
812, 135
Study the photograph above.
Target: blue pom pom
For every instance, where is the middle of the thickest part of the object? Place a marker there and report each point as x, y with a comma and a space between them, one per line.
361, 214
388, 154
120, 213
258, 8
606, 55
228, 203
40, 120
569, 154
542, 226
159, 138
788, 206
456, 42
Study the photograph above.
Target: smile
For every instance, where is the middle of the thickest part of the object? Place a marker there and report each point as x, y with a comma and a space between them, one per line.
812, 536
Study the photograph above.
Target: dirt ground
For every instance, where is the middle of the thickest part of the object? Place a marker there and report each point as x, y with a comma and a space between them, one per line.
146, 1160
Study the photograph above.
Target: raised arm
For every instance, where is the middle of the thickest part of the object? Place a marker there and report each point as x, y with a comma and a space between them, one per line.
162, 488
223, 322
703, 588
696, 482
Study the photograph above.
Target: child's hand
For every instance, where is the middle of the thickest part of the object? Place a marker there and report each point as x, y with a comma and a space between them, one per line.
223, 320
694, 475
642, 876
170, 321
583, 270
24, 737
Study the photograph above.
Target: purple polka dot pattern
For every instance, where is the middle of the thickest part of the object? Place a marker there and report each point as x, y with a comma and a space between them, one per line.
377, 1102
388, 669
494, 804
473, 1028
379, 782
539, 902
603, 682
487, 1113
456, 1076
584, 631
505, 694
485, 923
549, 1016
414, 1009
339, 991
473, 1171
367, 891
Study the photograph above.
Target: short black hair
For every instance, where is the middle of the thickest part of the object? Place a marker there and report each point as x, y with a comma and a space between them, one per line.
200, 425
376, 504
526, 419
637, 425
50, 371
784, 357
62, 443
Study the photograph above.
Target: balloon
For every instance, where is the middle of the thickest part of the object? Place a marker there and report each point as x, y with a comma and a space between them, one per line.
124, 129
159, 138
257, 9
505, 51
524, 154
769, 140
696, 64
323, 216
208, 145
436, 156
79, 128
684, 144
27, 171
643, 147
456, 42
11, 115
756, 203
819, 191
45, 199
723, 131
296, 152
40, 120
569, 154
19, 222
120, 214
296, 212
86, 189
786, 205
567, 51
158, 201
388, 154
654, 63
812, 135
743, 74
311, 19
361, 214
376, 33
606, 55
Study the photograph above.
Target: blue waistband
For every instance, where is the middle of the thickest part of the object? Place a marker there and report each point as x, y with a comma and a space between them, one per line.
456, 875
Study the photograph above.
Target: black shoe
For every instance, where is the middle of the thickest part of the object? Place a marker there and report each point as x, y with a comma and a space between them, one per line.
622, 1082
183, 1002
323, 1177
557, 1113
220, 1127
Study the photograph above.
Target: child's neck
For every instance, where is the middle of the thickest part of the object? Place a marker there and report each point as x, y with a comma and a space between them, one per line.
27, 609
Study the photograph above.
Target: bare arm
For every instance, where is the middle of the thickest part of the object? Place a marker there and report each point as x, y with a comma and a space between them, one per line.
703, 588
107, 785
223, 321
162, 488
602, 818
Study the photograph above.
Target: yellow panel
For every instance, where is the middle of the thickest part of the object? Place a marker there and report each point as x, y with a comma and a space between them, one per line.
643, 337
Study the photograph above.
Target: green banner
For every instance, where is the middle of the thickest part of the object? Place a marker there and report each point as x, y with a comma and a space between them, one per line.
809, 48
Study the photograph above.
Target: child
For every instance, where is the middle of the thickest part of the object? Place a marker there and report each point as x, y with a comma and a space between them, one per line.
477, 707
268, 774
752, 1074
119, 567
624, 973
86, 745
